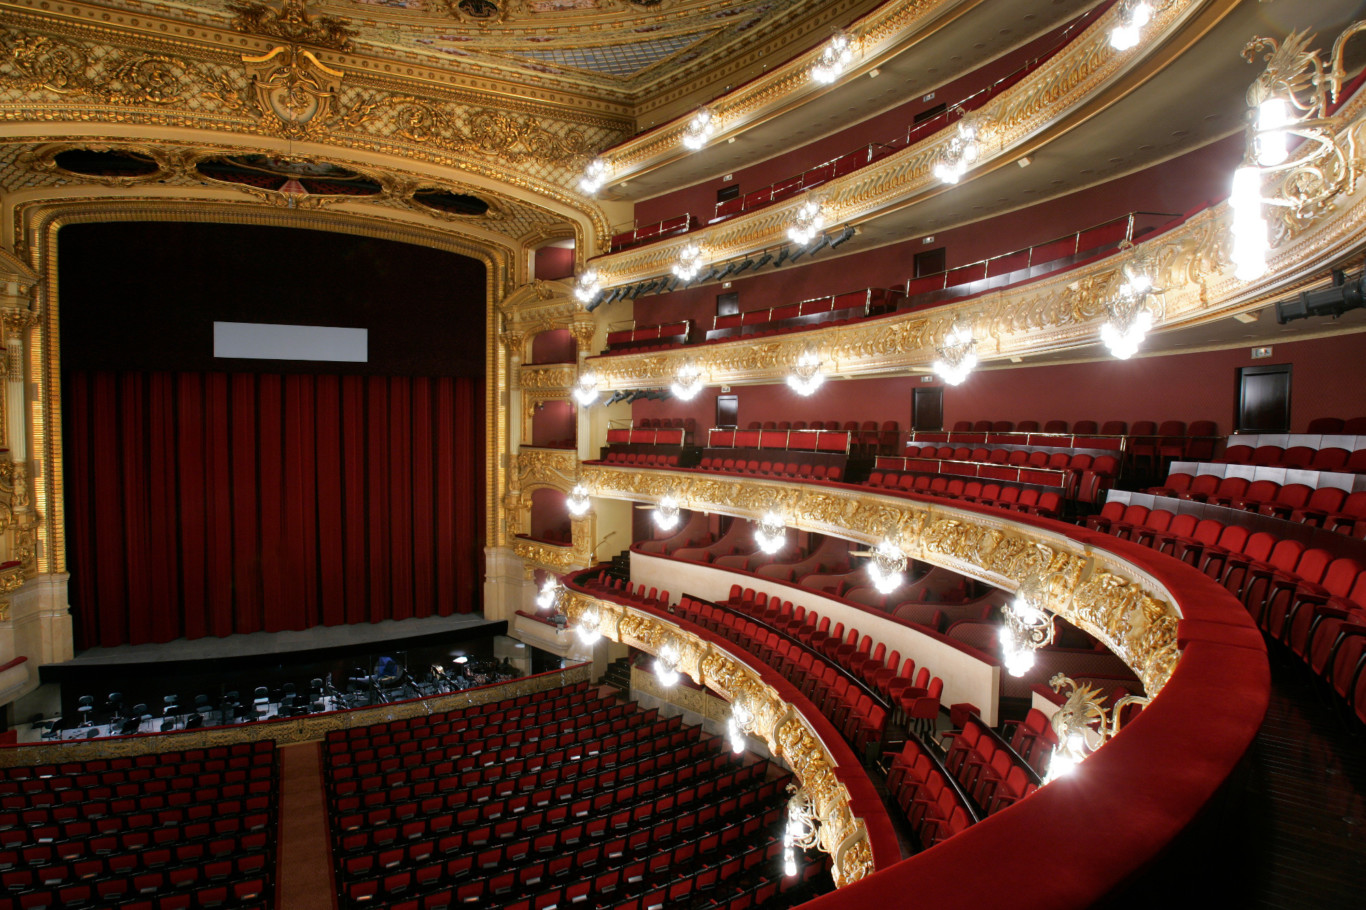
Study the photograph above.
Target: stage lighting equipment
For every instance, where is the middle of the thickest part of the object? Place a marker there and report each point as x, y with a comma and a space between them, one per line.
1344, 294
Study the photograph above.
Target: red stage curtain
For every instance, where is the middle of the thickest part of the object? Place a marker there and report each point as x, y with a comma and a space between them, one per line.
210, 504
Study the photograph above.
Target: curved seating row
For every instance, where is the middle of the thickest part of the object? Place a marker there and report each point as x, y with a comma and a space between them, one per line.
568, 799
1328, 458
1002, 494
1309, 599
1331, 508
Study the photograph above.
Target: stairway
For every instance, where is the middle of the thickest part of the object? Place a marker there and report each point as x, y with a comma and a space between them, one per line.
618, 675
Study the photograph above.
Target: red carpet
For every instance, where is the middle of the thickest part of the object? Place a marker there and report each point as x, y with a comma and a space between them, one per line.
305, 880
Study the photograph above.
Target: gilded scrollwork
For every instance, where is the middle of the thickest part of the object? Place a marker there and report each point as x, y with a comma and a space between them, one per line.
554, 376
291, 22
34, 63
785, 732
1127, 611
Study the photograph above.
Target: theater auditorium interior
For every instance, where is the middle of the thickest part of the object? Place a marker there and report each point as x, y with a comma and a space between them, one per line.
682, 454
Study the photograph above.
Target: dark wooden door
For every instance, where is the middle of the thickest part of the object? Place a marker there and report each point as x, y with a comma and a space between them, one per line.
727, 410
1264, 399
927, 409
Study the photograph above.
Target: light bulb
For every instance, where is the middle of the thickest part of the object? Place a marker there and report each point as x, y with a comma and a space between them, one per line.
1272, 141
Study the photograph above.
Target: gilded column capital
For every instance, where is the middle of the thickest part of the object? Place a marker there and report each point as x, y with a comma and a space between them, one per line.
583, 331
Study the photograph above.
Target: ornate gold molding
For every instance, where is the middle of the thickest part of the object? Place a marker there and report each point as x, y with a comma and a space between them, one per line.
1091, 588
1191, 262
533, 468
292, 23
785, 732
551, 376
1060, 89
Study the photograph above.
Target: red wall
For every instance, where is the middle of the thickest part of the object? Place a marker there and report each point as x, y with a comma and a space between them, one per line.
554, 262
1327, 378
555, 346
1176, 186
553, 423
549, 517
700, 199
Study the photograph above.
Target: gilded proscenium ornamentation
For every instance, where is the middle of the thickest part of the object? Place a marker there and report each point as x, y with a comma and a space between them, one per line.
291, 22
553, 376
1088, 587
36, 63
544, 468
785, 732
1060, 88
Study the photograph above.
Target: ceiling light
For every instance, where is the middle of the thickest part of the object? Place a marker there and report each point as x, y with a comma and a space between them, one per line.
588, 626
666, 663
1133, 15
1250, 244
957, 355
834, 57
699, 129
550, 594
741, 721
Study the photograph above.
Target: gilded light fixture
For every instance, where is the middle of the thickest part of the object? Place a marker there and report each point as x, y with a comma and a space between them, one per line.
594, 176
587, 286
957, 354
887, 567
666, 663
699, 129
835, 56
1291, 97
550, 593
806, 376
1133, 16
806, 222
689, 264
771, 533
578, 502
586, 388
687, 382
1129, 312
1028, 626
666, 513
801, 830
741, 722
963, 149
589, 625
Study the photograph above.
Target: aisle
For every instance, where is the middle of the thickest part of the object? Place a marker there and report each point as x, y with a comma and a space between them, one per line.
304, 879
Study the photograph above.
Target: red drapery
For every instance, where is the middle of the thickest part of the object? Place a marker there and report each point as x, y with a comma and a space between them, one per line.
210, 504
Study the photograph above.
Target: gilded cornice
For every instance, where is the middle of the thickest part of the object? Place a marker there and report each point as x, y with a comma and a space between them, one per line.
77, 74
891, 25
1064, 88
1127, 610
786, 733
551, 377
531, 468
1192, 267
216, 37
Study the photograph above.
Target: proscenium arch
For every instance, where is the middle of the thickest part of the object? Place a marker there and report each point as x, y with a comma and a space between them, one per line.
39, 222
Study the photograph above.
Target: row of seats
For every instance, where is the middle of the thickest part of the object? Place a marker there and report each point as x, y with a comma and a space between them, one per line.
600, 804
716, 464
1301, 457
178, 830
1306, 598
852, 711
986, 767
933, 806
1338, 426
1326, 507
642, 459
1147, 441
1002, 495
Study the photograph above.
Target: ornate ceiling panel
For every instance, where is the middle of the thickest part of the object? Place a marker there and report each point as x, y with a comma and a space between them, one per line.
622, 49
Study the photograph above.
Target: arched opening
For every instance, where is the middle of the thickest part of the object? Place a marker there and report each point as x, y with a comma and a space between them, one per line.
550, 521
554, 346
553, 425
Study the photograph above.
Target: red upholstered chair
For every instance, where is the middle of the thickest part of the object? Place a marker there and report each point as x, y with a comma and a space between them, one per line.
1288, 498
1201, 488
1109, 514
1298, 457
922, 711
1027, 426
1309, 601
1158, 521
1212, 560
1237, 454
1085, 426
1325, 425
1056, 426
1255, 551
1134, 516
1229, 490
1201, 438
1143, 445
1180, 529
1279, 592
1351, 516
1258, 493
1174, 485
1354, 426
1278, 567
1329, 459
1266, 456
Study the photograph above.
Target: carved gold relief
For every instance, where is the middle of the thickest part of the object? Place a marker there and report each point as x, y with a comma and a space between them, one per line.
785, 733
555, 376
292, 23
1103, 596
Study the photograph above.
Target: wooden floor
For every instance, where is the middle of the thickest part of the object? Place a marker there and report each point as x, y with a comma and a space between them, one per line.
1304, 801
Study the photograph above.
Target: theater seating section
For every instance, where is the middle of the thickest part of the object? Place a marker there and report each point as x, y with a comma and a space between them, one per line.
167, 831
562, 799
1333, 508
1302, 457
1310, 599
649, 337
834, 309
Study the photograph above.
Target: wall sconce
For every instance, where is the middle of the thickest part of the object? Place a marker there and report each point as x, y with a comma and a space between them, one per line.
887, 568
689, 264
586, 388
587, 286
807, 222
699, 129
577, 502
1028, 626
806, 376
771, 533
1130, 317
835, 56
589, 626
666, 513
741, 722
594, 176
963, 149
687, 382
666, 663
